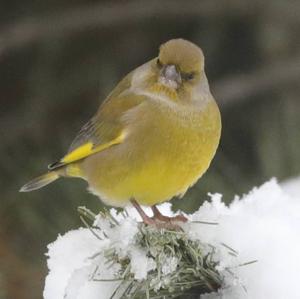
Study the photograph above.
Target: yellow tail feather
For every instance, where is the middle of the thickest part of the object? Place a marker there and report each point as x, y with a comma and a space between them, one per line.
40, 181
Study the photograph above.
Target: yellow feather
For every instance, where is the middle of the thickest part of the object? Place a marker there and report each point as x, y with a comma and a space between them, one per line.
74, 170
79, 153
88, 149
164, 90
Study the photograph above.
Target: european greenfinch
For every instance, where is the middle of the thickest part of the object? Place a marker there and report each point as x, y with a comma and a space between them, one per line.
151, 139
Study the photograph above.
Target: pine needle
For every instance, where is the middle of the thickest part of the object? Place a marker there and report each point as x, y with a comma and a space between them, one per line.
194, 273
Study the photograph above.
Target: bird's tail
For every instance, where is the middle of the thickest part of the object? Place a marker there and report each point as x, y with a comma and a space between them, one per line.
40, 181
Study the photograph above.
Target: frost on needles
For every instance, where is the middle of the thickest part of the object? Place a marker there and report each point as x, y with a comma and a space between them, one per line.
250, 249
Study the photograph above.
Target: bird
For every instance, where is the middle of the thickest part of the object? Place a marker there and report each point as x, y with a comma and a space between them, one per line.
151, 139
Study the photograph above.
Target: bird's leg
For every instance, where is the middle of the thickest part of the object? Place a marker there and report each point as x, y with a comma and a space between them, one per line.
146, 219
157, 215
158, 220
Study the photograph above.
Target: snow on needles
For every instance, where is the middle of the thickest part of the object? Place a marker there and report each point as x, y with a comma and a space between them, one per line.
257, 243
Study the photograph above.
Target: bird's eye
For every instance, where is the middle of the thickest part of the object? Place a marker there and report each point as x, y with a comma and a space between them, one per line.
188, 76
158, 63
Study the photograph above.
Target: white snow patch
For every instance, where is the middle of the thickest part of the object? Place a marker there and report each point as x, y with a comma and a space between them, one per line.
170, 265
292, 187
66, 256
263, 225
140, 263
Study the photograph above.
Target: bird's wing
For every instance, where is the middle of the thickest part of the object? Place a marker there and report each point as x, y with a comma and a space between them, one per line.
105, 129
92, 138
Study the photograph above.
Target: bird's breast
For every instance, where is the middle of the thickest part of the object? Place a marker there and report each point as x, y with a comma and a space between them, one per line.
165, 152
170, 131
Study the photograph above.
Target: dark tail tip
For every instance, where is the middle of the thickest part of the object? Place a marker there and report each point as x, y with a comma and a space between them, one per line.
55, 165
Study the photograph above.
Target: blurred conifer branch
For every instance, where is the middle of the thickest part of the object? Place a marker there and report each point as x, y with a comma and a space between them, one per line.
243, 86
102, 15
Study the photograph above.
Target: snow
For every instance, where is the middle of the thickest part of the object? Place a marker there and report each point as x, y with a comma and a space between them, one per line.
140, 263
261, 227
292, 187
65, 256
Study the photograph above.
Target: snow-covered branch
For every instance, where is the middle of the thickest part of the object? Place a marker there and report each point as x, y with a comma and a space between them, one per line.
252, 252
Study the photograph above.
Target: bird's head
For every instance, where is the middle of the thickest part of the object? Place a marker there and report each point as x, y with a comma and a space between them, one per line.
177, 74
179, 63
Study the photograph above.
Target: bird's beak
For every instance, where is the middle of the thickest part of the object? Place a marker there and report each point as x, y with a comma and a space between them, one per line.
170, 76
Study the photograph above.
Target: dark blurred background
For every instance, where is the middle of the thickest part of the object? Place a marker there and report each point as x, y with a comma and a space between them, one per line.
58, 61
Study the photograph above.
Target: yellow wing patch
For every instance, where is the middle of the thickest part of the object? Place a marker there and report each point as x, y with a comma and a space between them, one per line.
79, 153
88, 149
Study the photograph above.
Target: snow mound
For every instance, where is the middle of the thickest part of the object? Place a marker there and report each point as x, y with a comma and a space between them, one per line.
256, 241
292, 187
